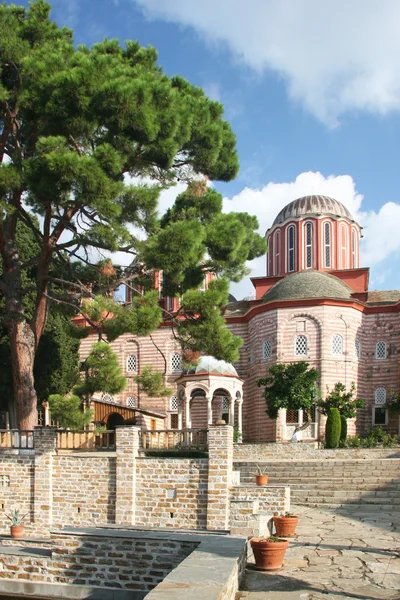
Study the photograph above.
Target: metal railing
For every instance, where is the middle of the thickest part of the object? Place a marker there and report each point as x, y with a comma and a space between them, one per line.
174, 438
85, 440
12, 438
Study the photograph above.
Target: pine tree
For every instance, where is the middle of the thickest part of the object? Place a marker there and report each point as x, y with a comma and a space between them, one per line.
74, 123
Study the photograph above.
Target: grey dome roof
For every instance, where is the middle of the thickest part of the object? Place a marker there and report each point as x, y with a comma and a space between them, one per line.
212, 366
308, 284
312, 205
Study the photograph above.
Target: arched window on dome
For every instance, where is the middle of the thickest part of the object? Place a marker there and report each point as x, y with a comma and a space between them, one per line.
327, 244
290, 247
343, 246
270, 259
277, 250
353, 249
308, 245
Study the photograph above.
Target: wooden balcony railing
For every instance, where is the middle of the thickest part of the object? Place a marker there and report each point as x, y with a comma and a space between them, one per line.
174, 438
10, 438
85, 440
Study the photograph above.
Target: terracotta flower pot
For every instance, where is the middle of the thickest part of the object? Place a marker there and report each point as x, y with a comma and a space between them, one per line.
268, 555
17, 531
261, 479
285, 526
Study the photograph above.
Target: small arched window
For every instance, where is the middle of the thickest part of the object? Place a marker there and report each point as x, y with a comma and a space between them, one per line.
270, 263
267, 349
301, 345
173, 403
308, 245
327, 243
290, 245
277, 257
358, 347
176, 362
131, 402
380, 395
380, 351
337, 344
131, 363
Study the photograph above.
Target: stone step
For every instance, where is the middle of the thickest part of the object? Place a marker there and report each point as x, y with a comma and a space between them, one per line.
355, 507
344, 499
317, 486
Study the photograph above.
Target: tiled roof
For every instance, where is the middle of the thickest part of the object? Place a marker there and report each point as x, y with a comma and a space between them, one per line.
312, 205
308, 284
237, 308
383, 296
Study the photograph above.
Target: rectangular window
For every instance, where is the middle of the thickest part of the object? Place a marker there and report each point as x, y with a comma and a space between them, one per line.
267, 349
131, 363
174, 421
380, 415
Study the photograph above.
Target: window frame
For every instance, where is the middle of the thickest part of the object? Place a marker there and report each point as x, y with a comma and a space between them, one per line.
327, 245
382, 408
376, 350
296, 353
357, 345
267, 343
277, 252
291, 249
308, 226
127, 369
336, 336
171, 359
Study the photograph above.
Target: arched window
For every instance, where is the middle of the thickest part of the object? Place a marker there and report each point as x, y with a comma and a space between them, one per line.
343, 247
353, 249
301, 345
131, 402
380, 351
267, 349
308, 245
327, 243
290, 246
270, 263
380, 395
131, 363
173, 403
337, 344
277, 257
358, 347
176, 362
108, 398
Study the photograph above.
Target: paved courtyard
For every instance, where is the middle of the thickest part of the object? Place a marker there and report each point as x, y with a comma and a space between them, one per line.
337, 554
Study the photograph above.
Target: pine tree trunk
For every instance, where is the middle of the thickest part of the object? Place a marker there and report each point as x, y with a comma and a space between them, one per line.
22, 359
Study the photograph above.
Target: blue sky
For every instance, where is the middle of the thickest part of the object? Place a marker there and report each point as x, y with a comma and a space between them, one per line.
311, 89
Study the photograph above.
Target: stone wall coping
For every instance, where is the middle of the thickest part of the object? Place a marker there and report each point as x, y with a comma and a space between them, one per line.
60, 591
21, 551
300, 459
150, 534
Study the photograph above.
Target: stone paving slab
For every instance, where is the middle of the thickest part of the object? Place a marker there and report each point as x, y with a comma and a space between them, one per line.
338, 555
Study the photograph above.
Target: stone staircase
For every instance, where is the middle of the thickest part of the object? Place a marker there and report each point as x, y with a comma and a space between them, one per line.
372, 484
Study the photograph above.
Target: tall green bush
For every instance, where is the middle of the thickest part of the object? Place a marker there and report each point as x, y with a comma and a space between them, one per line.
343, 429
332, 429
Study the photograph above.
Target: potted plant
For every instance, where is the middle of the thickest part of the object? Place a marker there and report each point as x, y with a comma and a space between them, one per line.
269, 552
261, 475
285, 524
17, 528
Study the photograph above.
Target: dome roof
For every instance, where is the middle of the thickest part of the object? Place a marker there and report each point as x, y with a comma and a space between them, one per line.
212, 366
308, 284
312, 205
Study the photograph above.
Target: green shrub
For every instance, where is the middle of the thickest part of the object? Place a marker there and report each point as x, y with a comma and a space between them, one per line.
332, 429
343, 429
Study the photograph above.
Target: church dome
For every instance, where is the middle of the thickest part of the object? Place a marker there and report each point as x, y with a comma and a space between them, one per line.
212, 366
308, 284
312, 206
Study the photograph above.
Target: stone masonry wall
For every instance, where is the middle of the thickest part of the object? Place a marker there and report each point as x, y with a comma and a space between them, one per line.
171, 492
16, 483
133, 564
84, 489
307, 451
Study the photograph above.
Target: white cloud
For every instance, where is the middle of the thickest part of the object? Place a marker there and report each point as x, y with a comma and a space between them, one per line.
380, 229
334, 56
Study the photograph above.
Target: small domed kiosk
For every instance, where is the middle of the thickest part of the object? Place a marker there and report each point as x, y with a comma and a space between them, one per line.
209, 391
